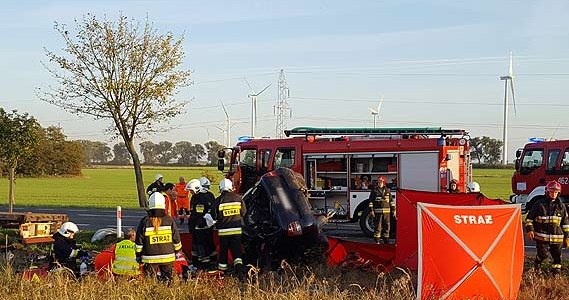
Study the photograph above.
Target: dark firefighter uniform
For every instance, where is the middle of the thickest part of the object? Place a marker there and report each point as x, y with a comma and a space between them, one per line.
549, 221
228, 211
380, 206
65, 251
203, 248
157, 247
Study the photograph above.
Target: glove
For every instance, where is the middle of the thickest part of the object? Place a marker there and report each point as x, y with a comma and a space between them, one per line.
209, 220
566, 243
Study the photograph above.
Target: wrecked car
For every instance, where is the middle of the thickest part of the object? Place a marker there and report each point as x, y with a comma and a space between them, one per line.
279, 223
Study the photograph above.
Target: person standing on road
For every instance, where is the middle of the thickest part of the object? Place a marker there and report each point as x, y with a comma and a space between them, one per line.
379, 205
157, 239
547, 223
182, 200
228, 212
200, 205
170, 195
156, 186
208, 234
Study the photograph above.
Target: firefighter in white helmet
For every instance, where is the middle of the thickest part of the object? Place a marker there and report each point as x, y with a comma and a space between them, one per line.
65, 248
157, 185
157, 239
203, 249
473, 187
228, 212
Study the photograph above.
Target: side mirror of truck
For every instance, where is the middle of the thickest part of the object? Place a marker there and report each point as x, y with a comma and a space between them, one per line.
221, 154
221, 164
518, 153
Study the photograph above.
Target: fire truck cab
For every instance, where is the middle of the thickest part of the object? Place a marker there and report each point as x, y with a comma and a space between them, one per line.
537, 163
339, 165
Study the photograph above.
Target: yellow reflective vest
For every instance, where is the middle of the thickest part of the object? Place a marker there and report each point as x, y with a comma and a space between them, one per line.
125, 259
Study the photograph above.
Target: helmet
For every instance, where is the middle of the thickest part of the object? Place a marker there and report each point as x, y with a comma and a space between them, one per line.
225, 185
67, 228
205, 183
158, 176
382, 178
473, 187
193, 185
157, 201
553, 186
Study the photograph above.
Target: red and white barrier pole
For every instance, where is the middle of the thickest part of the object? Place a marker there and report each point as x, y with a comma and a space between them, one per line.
119, 222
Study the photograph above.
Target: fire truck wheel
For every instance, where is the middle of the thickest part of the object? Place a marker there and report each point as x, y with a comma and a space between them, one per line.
366, 222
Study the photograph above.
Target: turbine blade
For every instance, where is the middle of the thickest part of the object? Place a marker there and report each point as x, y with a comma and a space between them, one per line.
513, 95
259, 93
379, 105
511, 68
224, 110
247, 81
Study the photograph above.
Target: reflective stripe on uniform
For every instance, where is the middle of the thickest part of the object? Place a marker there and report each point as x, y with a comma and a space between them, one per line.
178, 246
161, 230
555, 220
139, 248
231, 205
74, 253
237, 261
229, 231
556, 266
552, 238
565, 228
384, 210
222, 267
156, 259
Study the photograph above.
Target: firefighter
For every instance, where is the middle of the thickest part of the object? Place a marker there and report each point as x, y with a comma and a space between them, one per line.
379, 204
157, 239
125, 262
548, 224
156, 186
208, 234
228, 212
170, 195
473, 187
182, 200
65, 248
200, 205
453, 187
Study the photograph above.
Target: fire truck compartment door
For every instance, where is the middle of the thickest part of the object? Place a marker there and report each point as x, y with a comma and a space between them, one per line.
419, 171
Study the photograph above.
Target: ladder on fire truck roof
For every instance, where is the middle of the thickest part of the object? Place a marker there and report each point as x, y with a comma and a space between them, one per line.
374, 131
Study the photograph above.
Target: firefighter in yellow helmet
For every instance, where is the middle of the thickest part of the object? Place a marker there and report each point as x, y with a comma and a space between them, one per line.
125, 262
158, 239
547, 223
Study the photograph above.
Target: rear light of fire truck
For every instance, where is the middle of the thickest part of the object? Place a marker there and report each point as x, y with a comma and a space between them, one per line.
294, 229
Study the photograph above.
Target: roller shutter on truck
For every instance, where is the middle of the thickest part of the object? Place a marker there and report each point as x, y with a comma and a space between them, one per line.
419, 171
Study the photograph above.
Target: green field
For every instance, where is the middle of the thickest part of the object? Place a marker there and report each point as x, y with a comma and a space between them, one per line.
100, 187
109, 187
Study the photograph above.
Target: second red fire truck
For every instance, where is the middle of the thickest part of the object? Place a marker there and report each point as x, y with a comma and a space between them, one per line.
340, 164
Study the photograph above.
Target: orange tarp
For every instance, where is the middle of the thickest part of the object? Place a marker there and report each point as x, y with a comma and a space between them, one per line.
406, 253
469, 251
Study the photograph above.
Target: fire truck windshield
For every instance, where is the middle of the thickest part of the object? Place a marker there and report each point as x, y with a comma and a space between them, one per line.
532, 159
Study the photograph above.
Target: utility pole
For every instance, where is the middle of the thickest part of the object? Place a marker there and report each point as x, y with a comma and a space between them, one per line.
282, 110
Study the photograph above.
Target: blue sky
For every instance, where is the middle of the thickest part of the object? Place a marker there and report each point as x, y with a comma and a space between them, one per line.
436, 63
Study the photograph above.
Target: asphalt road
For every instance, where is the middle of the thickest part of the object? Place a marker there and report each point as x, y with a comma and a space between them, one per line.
94, 218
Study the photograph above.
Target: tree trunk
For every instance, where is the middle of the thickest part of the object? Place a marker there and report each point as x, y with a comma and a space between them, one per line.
11, 172
137, 174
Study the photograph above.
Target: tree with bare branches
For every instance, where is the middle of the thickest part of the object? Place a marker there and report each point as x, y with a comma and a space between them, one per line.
120, 70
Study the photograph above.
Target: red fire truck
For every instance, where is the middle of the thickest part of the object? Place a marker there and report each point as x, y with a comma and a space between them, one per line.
538, 162
339, 164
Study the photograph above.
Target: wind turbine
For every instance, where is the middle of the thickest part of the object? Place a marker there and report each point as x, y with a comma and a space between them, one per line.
510, 78
253, 97
375, 112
